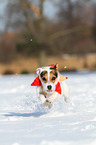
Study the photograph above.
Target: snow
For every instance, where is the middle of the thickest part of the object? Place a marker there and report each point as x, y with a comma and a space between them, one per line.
24, 121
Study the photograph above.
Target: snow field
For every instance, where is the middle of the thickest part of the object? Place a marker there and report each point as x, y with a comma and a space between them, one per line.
24, 121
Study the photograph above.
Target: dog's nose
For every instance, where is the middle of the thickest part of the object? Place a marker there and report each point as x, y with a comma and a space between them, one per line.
49, 87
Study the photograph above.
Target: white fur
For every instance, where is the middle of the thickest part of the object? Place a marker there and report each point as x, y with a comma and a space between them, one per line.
40, 69
54, 97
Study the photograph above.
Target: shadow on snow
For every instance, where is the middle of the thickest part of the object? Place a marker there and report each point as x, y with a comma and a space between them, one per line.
35, 114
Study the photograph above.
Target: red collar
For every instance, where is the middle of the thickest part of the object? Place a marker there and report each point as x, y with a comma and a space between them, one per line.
58, 88
37, 82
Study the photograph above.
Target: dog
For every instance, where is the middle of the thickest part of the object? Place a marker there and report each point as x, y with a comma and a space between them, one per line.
50, 85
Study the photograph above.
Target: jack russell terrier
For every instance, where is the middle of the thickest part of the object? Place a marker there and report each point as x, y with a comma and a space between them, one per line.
50, 85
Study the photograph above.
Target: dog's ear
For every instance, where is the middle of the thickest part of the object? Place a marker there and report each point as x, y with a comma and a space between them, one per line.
56, 66
38, 71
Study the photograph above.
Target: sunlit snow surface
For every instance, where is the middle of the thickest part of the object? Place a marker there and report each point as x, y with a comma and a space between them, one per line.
24, 121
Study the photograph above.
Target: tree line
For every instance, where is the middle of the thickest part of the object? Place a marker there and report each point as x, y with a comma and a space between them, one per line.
29, 32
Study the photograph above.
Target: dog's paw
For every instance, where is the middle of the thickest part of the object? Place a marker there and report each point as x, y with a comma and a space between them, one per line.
67, 100
48, 101
47, 104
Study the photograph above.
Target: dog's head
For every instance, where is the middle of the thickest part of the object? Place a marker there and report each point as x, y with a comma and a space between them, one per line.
48, 77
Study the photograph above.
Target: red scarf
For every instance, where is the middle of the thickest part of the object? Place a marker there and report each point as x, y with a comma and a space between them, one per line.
37, 82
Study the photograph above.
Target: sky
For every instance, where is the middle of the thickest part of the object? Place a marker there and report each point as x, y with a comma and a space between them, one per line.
2, 8
49, 10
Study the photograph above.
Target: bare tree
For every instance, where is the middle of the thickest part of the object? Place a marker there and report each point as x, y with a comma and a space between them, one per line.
69, 12
94, 23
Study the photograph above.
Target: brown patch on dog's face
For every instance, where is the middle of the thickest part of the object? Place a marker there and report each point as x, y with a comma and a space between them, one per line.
44, 76
53, 75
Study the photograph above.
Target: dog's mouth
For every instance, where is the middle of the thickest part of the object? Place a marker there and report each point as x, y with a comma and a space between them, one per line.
49, 91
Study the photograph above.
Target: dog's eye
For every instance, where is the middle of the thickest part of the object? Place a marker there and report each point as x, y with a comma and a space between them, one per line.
44, 79
53, 78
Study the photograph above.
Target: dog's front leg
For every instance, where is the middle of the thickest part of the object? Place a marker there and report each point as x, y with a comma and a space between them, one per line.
50, 99
40, 95
54, 97
46, 103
